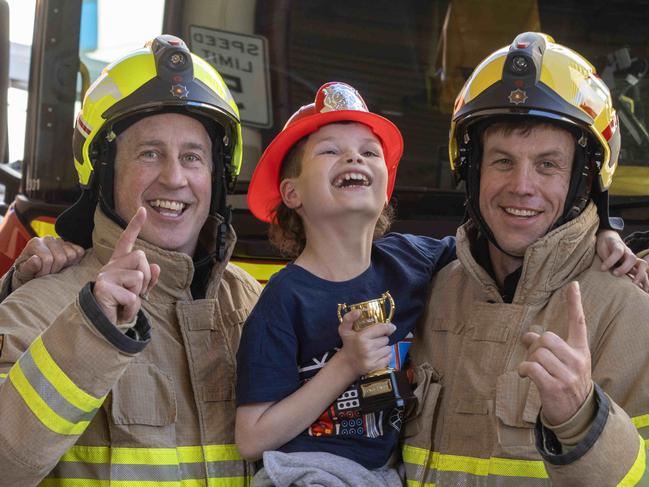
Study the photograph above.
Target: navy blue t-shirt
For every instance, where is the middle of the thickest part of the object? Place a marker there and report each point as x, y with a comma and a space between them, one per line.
293, 331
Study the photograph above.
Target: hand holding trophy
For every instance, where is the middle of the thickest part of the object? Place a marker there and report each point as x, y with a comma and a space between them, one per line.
383, 387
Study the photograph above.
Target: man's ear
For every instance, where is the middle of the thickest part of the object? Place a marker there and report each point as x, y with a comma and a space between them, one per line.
290, 193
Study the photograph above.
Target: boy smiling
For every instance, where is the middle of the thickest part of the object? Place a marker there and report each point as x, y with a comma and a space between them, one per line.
324, 184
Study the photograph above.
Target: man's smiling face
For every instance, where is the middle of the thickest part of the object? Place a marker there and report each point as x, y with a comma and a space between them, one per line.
164, 163
524, 180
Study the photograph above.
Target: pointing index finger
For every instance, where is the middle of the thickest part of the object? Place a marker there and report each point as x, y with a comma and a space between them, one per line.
577, 333
128, 237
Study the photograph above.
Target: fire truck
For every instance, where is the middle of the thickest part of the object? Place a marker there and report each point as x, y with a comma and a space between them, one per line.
409, 59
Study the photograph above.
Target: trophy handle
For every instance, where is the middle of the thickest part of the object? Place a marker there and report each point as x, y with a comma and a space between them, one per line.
386, 295
342, 309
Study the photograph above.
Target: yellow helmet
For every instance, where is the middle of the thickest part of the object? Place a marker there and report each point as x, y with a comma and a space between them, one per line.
163, 76
537, 78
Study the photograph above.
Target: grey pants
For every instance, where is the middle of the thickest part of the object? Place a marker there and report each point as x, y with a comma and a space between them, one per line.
321, 470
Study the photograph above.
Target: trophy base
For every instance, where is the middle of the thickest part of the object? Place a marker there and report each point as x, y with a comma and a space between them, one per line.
385, 391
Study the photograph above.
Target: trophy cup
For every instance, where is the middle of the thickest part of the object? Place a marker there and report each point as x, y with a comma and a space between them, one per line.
383, 388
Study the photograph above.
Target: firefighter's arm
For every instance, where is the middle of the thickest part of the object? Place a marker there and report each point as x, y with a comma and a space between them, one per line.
604, 442
40, 257
54, 382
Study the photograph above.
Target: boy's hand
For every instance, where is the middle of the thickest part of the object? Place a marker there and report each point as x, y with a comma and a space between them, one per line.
620, 259
42, 256
365, 350
126, 277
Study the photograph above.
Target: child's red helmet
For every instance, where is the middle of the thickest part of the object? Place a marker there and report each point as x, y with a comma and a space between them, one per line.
334, 102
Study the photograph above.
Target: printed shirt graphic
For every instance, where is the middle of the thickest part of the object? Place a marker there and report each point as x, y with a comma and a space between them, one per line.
344, 416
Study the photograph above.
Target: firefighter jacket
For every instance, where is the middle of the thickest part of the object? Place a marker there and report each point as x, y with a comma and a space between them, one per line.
82, 403
476, 422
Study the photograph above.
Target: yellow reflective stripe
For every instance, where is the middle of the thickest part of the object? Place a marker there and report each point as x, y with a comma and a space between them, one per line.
221, 482
136, 483
641, 421
415, 483
122, 455
637, 470
151, 456
505, 467
221, 453
260, 271
63, 384
414, 455
40, 408
74, 483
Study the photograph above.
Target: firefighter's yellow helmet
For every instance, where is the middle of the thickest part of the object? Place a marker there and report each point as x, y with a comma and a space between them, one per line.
537, 78
161, 77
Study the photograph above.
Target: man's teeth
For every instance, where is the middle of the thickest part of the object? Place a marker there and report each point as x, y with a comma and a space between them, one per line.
351, 176
168, 205
520, 212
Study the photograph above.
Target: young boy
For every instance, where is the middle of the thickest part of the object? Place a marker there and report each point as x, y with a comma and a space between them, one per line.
324, 184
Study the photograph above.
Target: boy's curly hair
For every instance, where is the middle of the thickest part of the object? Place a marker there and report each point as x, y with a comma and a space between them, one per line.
286, 232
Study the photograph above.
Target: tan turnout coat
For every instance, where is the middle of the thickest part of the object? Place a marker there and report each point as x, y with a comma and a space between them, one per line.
476, 422
81, 400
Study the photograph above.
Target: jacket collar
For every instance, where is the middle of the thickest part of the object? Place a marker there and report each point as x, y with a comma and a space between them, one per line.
176, 268
548, 264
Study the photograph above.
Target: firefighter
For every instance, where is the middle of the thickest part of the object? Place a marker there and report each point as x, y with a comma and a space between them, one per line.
531, 361
121, 368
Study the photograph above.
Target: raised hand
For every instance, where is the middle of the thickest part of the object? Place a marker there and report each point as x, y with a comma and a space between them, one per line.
126, 277
561, 369
365, 350
42, 256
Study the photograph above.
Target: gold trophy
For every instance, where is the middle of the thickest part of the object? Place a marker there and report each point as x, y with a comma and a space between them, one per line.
383, 388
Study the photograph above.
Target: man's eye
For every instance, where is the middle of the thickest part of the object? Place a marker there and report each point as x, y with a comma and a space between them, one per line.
328, 151
370, 153
548, 164
503, 162
192, 159
149, 154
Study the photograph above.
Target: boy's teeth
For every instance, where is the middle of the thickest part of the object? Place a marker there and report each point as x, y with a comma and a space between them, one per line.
338, 182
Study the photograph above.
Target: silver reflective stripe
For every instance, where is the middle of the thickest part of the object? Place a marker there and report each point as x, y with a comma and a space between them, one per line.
439, 478
3, 377
50, 395
97, 471
227, 468
153, 473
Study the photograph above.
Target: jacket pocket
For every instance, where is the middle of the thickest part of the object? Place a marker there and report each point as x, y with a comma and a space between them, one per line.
420, 417
517, 406
144, 395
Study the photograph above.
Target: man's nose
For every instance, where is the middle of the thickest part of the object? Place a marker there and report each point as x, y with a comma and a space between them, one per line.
522, 179
172, 174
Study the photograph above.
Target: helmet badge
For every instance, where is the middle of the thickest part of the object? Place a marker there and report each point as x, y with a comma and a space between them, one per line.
179, 91
339, 96
517, 96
